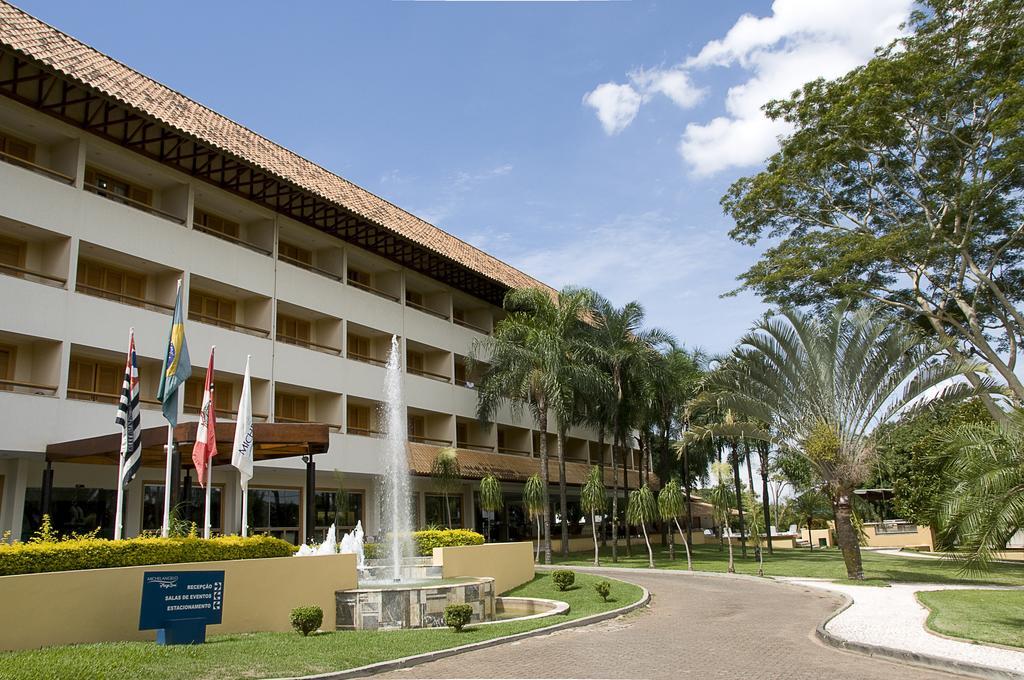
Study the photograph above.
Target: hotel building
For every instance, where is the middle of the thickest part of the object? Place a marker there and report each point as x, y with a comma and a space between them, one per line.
112, 188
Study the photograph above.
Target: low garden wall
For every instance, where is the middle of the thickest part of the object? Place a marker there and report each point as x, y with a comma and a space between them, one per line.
920, 537
102, 605
509, 564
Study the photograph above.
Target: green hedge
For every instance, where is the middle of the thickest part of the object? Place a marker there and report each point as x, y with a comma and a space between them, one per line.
427, 540
97, 553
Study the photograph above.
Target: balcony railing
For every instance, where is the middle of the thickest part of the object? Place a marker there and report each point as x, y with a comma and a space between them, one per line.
508, 449
463, 382
105, 397
471, 326
419, 439
138, 205
22, 273
308, 344
233, 325
23, 387
123, 298
440, 377
232, 239
221, 412
309, 267
475, 447
367, 359
364, 432
371, 289
282, 419
36, 168
426, 310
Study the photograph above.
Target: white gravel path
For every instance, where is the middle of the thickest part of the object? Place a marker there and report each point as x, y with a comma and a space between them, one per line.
892, 617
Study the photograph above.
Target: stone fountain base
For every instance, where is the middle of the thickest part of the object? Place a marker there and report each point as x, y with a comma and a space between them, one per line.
413, 605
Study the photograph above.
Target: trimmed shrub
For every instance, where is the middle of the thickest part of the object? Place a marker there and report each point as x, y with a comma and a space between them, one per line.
563, 578
457, 616
307, 619
604, 589
429, 539
99, 553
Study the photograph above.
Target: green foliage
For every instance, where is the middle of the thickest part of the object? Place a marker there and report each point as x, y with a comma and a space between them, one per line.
604, 589
491, 498
305, 620
458, 616
534, 495
445, 469
642, 508
98, 553
593, 497
563, 578
671, 503
901, 183
429, 539
810, 507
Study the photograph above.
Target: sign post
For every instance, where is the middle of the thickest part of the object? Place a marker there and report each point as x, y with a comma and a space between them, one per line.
180, 604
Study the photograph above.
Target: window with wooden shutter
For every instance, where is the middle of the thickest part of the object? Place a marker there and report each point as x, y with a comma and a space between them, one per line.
415, 360
12, 254
462, 433
358, 419
100, 279
358, 346
211, 309
417, 426
19, 148
293, 330
7, 358
115, 188
210, 222
94, 380
223, 394
414, 298
501, 440
290, 251
359, 277
291, 407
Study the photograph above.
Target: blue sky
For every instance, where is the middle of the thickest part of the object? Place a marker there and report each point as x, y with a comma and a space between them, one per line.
586, 143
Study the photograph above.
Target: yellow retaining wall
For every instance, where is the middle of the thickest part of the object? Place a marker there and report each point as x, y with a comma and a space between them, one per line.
509, 564
102, 605
922, 537
816, 534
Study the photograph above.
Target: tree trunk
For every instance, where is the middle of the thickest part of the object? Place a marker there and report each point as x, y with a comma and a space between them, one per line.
650, 553
687, 485
562, 504
686, 545
671, 542
615, 505
762, 453
593, 527
732, 564
536, 557
810, 532
739, 496
625, 492
846, 536
545, 480
600, 450
447, 510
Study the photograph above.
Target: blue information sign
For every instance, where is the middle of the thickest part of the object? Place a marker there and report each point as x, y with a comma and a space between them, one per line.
180, 604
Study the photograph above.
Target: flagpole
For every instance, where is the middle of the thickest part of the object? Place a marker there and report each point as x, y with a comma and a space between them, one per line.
245, 507
165, 530
119, 513
209, 478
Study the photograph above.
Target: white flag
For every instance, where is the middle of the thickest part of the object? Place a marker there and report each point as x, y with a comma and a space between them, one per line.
241, 452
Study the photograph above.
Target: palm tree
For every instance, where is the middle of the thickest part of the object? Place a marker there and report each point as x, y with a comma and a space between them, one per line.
447, 473
671, 504
823, 386
535, 501
641, 510
491, 499
984, 505
809, 506
757, 527
593, 501
532, 362
626, 351
720, 497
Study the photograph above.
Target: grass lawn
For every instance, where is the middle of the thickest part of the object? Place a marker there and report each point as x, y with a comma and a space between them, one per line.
820, 563
981, 615
259, 655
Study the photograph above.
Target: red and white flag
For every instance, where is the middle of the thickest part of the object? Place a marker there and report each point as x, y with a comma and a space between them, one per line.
206, 434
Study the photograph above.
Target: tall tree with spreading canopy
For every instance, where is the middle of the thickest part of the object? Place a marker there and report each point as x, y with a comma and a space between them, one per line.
535, 501
531, 362
902, 184
822, 386
447, 474
593, 499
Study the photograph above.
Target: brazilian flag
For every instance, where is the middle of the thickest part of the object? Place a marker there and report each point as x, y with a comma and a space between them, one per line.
177, 368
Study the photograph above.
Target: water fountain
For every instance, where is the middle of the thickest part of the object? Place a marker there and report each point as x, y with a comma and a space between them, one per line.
396, 519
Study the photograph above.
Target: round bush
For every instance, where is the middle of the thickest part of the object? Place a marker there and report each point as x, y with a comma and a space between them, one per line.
604, 589
307, 619
457, 616
563, 578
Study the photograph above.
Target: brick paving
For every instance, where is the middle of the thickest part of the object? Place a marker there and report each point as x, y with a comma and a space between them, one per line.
694, 628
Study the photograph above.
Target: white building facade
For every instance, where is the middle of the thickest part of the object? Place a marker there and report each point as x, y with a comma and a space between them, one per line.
112, 188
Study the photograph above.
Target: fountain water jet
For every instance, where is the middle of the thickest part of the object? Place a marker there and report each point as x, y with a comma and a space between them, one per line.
396, 515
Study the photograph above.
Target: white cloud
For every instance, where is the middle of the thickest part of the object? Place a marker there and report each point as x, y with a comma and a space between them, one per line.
800, 40
616, 105
450, 197
674, 83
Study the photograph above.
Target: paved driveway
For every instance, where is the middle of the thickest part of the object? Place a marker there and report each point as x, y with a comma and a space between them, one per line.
695, 627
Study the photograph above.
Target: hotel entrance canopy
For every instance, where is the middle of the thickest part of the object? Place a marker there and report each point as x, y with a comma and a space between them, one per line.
271, 441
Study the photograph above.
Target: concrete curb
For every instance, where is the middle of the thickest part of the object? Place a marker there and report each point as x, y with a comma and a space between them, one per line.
406, 662
904, 656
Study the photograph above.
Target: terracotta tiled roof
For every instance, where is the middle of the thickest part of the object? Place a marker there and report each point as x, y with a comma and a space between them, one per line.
506, 467
76, 60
